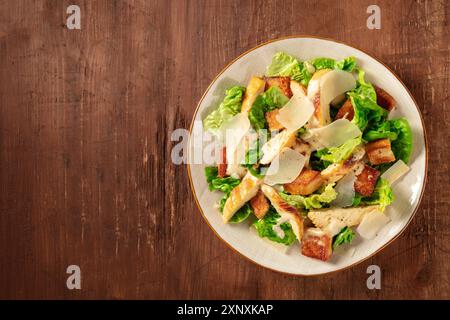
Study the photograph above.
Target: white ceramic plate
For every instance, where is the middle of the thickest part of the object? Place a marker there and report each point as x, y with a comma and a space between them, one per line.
407, 191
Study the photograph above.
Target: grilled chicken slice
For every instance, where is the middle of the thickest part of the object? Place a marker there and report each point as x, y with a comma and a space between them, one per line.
336, 171
260, 205
379, 151
317, 244
243, 192
254, 88
287, 212
274, 146
306, 183
365, 182
323, 218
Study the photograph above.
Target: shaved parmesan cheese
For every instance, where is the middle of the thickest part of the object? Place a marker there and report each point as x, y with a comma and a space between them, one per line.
296, 113
273, 147
336, 133
335, 83
395, 172
372, 223
234, 131
345, 191
285, 168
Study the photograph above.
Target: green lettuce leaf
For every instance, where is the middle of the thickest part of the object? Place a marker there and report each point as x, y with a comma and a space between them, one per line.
382, 195
338, 154
367, 112
256, 114
347, 64
314, 201
230, 106
221, 184
402, 146
288, 66
265, 225
274, 98
364, 101
346, 235
384, 130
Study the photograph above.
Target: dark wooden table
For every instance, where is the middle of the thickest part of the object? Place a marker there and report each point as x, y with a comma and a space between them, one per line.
85, 122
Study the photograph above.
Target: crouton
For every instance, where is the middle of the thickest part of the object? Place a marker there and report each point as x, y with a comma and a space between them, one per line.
317, 246
283, 83
306, 183
347, 216
379, 152
365, 182
384, 99
222, 165
346, 111
271, 117
260, 205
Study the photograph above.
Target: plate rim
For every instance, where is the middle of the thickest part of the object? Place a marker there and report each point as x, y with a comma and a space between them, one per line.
424, 184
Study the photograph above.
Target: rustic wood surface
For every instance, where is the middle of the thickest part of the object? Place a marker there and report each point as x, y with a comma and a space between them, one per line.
85, 121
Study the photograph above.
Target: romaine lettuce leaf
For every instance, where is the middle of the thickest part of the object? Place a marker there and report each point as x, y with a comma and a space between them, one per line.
367, 112
230, 106
265, 225
256, 115
402, 146
364, 101
347, 64
274, 98
338, 154
222, 184
346, 235
288, 66
314, 201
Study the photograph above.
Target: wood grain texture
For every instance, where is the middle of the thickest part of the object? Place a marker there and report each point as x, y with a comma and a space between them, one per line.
85, 123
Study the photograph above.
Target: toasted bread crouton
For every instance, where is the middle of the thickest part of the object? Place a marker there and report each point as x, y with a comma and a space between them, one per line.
346, 111
379, 151
306, 183
260, 205
271, 117
365, 182
384, 99
347, 216
317, 246
222, 165
282, 83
